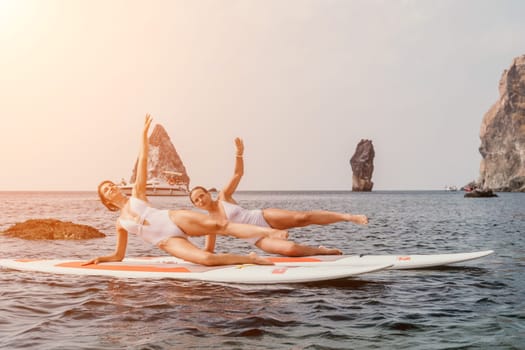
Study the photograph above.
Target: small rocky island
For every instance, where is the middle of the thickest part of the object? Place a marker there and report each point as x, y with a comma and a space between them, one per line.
362, 163
36, 229
502, 135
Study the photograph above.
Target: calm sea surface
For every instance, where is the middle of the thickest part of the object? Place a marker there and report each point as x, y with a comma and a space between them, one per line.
473, 305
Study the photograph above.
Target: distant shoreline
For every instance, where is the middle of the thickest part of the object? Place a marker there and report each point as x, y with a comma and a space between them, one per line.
246, 191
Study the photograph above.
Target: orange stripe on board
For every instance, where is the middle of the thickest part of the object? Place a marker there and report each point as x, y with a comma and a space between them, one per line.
140, 268
27, 260
291, 259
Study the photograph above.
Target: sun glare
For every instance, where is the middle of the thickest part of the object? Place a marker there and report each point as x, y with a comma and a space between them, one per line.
6, 9
10, 12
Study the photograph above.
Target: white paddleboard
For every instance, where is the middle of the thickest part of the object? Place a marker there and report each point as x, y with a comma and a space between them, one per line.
397, 262
246, 274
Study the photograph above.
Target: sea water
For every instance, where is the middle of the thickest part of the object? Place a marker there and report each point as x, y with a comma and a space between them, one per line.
473, 305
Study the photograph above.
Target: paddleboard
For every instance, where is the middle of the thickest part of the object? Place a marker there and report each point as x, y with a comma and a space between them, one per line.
397, 262
245, 274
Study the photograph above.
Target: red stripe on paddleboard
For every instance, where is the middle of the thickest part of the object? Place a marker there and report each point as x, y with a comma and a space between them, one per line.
141, 268
291, 259
27, 260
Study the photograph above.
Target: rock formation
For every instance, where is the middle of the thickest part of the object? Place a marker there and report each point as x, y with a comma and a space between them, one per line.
362, 163
163, 160
51, 229
502, 134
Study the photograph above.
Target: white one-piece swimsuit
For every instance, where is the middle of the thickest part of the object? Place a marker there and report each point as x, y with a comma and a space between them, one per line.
158, 227
236, 213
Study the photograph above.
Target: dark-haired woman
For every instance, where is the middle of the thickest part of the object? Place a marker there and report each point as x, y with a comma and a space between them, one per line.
226, 208
169, 229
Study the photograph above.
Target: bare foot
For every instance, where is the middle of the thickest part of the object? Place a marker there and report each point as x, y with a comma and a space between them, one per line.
259, 260
328, 251
358, 219
280, 234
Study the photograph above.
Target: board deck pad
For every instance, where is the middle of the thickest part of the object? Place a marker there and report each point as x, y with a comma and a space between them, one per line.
246, 274
398, 262
285, 270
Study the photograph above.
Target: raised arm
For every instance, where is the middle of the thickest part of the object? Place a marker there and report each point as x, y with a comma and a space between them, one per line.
139, 188
228, 190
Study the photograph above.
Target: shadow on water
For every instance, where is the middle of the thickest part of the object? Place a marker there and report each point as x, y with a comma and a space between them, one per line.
288, 287
451, 268
470, 270
343, 283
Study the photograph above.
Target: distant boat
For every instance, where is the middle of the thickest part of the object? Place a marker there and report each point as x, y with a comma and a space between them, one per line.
451, 188
160, 187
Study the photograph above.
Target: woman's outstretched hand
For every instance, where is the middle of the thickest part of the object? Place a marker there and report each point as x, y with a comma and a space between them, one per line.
147, 123
239, 145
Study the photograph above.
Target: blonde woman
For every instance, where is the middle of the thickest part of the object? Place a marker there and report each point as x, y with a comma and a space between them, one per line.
169, 229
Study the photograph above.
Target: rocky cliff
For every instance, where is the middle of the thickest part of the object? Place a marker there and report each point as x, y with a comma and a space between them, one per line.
362, 163
163, 160
502, 134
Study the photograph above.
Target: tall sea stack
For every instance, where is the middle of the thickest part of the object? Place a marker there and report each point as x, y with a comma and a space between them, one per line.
163, 160
502, 134
362, 163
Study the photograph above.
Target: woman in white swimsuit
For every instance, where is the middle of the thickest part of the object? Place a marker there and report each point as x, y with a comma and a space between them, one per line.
169, 229
226, 208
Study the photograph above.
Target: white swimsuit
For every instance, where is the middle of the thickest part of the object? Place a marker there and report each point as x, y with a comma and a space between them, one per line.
159, 225
236, 213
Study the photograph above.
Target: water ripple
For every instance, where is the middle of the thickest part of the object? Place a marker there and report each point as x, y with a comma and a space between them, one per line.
474, 305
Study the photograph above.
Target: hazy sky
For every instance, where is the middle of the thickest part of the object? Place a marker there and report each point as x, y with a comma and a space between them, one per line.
302, 81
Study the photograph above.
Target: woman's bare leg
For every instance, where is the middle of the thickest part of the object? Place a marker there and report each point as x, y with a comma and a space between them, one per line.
251, 231
290, 248
184, 249
286, 219
198, 224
